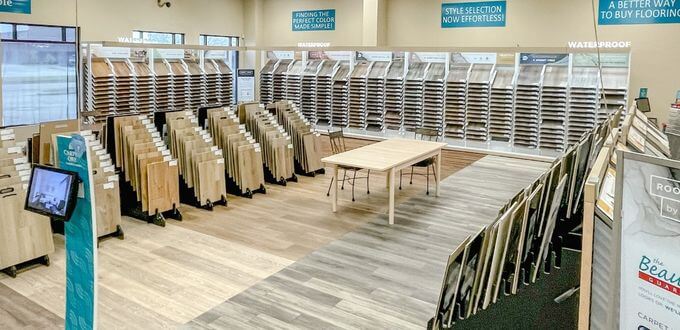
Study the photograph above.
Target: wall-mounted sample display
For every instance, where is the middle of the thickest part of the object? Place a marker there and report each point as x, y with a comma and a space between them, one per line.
267, 81
456, 94
375, 96
553, 109
100, 88
583, 102
279, 79
294, 82
527, 100
324, 92
358, 80
394, 96
614, 91
501, 101
340, 96
477, 102
433, 96
413, 95
308, 93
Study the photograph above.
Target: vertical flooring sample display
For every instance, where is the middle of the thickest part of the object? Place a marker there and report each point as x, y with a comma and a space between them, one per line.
456, 93
357, 94
583, 102
527, 102
501, 102
553, 109
413, 95
434, 97
340, 96
294, 82
280, 80
267, 81
324, 92
477, 102
308, 93
394, 96
375, 96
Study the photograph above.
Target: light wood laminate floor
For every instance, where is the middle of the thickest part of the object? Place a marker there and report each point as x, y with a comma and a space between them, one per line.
166, 277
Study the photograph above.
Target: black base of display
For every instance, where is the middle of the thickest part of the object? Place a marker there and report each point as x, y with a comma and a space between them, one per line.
135, 210
269, 178
14, 270
234, 189
299, 170
549, 303
187, 196
117, 234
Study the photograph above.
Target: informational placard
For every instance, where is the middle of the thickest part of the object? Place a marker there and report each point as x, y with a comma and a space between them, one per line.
533, 58
169, 53
81, 238
374, 56
314, 20
109, 52
643, 92
473, 14
15, 6
482, 58
647, 222
245, 85
617, 12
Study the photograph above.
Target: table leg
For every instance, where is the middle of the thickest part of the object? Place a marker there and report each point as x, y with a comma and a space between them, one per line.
335, 188
392, 174
439, 172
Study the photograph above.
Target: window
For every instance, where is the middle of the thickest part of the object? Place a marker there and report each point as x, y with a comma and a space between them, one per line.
38, 73
168, 38
230, 56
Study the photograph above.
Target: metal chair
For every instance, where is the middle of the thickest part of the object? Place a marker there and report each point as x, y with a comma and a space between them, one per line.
338, 146
424, 134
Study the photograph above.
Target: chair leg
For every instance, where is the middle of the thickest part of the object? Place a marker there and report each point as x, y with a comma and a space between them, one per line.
353, 185
427, 190
344, 178
329, 187
401, 173
411, 182
368, 182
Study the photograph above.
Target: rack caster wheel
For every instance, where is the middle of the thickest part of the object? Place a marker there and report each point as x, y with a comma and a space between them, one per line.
119, 233
46, 261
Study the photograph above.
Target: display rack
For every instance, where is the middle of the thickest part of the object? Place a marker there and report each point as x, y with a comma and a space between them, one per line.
324, 92
306, 142
165, 91
553, 109
279, 79
477, 102
358, 81
375, 96
456, 93
413, 95
308, 101
433, 97
501, 102
394, 96
340, 97
294, 82
614, 95
583, 102
267, 81
527, 102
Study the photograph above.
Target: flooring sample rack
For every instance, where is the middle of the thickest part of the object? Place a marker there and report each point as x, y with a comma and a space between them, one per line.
358, 81
201, 163
394, 96
277, 145
267, 81
25, 237
583, 102
340, 96
501, 101
133, 86
477, 102
309, 85
279, 79
294, 82
456, 93
614, 92
149, 175
553, 109
527, 102
375, 96
434, 97
306, 142
242, 154
324, 92
413, 96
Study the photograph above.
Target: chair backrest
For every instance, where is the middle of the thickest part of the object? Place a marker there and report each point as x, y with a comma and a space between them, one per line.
426, 134
337, 141
674, 144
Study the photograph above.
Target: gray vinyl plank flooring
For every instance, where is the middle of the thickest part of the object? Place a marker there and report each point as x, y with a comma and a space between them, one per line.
379, 276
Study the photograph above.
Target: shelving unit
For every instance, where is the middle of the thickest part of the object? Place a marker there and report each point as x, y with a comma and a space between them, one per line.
197, 84
375, 96
165, 92
394, 96
501, 101
413, 95
526, 109
340, 96
553, 109
433, 97
294, 82
279, 80
358, 81
99, 93
180, 83
324, 92
308, 99
267, 82
125, 86
477, 102
227, 82
615, 88
583, 102
456, 93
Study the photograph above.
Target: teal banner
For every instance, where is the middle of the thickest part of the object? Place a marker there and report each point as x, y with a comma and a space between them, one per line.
15, 6
81, 238
313, 20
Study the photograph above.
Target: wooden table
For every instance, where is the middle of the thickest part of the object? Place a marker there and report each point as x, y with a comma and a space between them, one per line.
388, 156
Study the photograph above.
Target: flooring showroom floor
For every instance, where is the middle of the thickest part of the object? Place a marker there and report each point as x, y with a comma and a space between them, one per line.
283, 260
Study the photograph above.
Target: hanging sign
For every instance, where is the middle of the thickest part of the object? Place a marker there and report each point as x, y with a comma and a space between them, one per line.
314, 20
15, 6
532, 58
647, 218
473, 14
245, 85
81, 238
617, 12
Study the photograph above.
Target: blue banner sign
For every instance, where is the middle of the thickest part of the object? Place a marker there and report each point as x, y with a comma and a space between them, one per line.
15, 6
473, 14
617, 12
533, 58
313, 20
81, 238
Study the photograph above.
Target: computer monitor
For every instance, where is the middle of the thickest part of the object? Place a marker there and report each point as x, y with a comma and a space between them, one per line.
643, 104
52, 192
